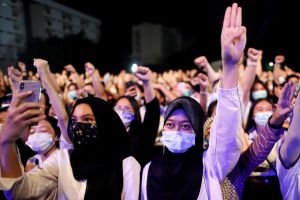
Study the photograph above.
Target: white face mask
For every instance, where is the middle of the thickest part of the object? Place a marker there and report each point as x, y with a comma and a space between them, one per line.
262, 118
40, 142
126, 117
178, 141
281, 79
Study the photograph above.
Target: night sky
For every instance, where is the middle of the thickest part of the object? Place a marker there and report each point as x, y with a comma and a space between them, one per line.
271, 26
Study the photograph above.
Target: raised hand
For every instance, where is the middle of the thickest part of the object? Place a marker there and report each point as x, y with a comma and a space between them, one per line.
253, 57
284, 106
279, 59
19, 117
14, 75
233, 36
42, 66
143, 74
22, 66
201, 61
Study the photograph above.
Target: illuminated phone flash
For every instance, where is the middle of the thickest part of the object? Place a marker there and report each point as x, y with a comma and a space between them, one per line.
134, 68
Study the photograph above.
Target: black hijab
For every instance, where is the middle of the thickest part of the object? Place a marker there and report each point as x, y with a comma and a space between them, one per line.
179, 176
101, 163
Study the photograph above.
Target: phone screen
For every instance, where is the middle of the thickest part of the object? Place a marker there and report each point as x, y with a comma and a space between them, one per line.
34, 86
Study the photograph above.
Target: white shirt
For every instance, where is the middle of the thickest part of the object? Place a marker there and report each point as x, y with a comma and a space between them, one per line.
57, 174
224, 146
289, 179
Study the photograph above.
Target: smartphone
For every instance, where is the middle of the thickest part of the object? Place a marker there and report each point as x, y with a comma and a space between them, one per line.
34, 86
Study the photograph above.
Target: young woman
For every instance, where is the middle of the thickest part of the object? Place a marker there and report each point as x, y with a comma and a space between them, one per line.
43, 139
141, 134
185, 171
97, 167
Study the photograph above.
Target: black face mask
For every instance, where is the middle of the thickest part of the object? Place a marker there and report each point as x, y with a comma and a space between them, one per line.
83, 135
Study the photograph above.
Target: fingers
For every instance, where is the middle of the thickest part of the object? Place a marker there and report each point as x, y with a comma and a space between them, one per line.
238, 22
26, 107
200, 61
233, 15
28, 114
292, 93
142, 70
285, 91
19, 97
226, 21
13, 72
33, 120
239, 32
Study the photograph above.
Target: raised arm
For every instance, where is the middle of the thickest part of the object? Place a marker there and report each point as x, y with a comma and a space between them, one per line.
249, 73
169, 94
203, 81
56, 101
19, 117
144, 74
95, 76
202, 62
277, 71
233, 41
289, 151
15, 77
259, 68
224, 144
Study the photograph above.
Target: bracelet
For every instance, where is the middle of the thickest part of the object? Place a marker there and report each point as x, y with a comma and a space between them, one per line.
203, 92
274, 126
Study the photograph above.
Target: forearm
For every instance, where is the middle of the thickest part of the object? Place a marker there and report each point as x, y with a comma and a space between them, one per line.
170, 96
247, 82
230, 75
259, 69
276, 72
259, 149
148, 91
54, 83
58, 105
100, 90
9, 162
203, 100
212, 75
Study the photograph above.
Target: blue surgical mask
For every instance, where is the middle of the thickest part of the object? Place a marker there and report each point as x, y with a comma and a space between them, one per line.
178, 141
186, 92
259, 94
262, 118
126, 117
72, 95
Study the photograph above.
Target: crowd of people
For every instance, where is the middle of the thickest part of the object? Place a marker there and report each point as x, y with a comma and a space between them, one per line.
194, 134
